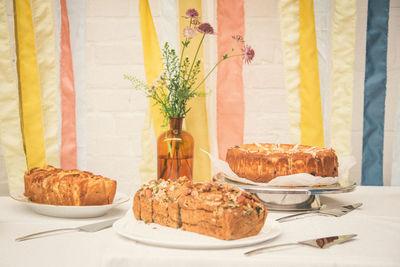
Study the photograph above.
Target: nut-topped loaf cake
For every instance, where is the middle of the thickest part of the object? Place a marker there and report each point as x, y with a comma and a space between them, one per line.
49, 185
264, 162
220, 211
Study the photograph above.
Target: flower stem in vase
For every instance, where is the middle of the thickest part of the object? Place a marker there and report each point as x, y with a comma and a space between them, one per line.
175, 152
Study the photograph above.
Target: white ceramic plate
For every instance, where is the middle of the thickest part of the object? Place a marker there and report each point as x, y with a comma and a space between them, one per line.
71, 211
157, 235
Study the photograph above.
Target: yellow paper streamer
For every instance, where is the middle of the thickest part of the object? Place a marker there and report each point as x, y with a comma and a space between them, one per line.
196, 119
343, 42
289, 14
42, 11
312, 132
10, 125
153, 68
28, 75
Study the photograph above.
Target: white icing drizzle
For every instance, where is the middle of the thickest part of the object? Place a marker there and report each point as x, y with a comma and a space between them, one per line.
310, 149
261, 146
277, 148
313, 150
295, 147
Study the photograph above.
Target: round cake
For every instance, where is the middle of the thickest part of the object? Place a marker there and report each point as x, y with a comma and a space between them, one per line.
264, 162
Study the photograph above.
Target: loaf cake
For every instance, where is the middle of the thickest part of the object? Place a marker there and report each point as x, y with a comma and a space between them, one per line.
264, 162
49, 185
221, 211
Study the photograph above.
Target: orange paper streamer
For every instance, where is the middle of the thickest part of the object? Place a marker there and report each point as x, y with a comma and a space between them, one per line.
230, 93
68, 152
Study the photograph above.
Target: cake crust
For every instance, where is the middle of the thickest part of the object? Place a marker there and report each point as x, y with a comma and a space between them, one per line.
220, 211
264, 162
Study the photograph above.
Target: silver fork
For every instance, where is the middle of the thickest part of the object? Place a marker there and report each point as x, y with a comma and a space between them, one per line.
335, 211
93, 227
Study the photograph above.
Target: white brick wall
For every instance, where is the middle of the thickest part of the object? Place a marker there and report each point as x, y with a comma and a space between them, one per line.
266, 118
116, 111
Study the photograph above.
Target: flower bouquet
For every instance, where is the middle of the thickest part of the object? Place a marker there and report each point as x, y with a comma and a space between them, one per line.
176, 85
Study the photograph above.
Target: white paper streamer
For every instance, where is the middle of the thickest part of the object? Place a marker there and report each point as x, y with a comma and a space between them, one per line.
289, 22
322, 27
10, 127
396, 147
169, 23
77, 26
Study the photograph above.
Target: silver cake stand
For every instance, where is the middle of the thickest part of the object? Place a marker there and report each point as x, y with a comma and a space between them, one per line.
290, 198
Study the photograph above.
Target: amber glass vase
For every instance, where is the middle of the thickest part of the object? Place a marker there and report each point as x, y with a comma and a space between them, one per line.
175, 152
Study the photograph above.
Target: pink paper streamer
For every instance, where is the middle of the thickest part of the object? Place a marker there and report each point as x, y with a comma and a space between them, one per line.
68, 150
230, 93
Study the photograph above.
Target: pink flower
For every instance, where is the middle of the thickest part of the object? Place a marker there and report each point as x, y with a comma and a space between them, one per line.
238, 38
205, 28
192, 13
248, 54
189, 32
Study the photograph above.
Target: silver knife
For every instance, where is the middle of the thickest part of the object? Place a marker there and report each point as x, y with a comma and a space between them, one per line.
334, 211
322, 242
94, 227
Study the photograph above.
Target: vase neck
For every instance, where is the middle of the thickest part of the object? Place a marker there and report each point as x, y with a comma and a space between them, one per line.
175, 124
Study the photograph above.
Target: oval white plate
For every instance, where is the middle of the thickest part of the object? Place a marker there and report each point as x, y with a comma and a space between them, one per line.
157, 235
71, 211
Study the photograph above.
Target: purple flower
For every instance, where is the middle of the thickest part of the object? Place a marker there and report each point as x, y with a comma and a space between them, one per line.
248, 54
192, 13
238, 38
205, 28
189, 32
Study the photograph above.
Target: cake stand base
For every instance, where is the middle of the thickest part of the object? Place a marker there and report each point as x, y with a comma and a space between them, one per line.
289, 198
304, 202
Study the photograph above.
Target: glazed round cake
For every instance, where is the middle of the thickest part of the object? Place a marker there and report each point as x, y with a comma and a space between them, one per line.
264, 162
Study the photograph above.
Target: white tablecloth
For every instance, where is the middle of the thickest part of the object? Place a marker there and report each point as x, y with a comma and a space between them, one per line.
377, 224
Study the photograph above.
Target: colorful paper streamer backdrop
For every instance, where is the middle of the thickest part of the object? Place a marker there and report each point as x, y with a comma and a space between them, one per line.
337, 96
316, 40
30, 119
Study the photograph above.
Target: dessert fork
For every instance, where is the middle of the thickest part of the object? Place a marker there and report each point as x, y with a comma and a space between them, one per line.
93, 227
322, 242
335, 211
